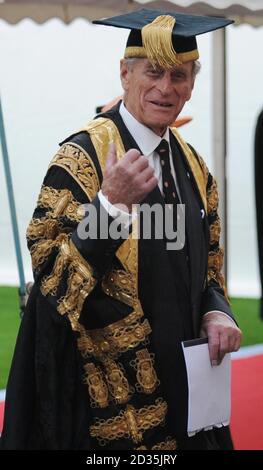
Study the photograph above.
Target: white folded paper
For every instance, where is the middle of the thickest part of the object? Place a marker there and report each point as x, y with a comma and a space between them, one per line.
209, 388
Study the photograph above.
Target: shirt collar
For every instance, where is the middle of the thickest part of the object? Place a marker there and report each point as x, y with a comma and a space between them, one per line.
146, 139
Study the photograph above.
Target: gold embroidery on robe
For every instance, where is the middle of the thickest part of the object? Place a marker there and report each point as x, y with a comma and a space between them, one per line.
117, 382
48, 231
98, 390
119, 285
215, 263
116, 338
145, 373
61, 202
43, 228
215, 232
80, 166
50, 283
80, 282
41, 250
125, 334
168, 444
130, 423
212, 197
103, 131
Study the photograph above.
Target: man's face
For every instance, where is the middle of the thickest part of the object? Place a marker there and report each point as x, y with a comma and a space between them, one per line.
156, 96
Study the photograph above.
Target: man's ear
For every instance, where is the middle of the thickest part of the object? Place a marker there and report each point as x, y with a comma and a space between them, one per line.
124, 75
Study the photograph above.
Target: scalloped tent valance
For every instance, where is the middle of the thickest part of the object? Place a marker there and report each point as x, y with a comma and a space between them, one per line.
13, 11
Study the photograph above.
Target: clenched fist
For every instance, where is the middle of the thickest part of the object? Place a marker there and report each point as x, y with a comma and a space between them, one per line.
129, 180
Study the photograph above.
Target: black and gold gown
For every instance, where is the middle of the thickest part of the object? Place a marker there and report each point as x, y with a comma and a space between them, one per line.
98, 362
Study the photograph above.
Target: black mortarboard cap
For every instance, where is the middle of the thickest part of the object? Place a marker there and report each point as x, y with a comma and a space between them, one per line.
165, 38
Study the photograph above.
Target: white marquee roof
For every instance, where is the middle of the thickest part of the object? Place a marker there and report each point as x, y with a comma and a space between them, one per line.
12, 11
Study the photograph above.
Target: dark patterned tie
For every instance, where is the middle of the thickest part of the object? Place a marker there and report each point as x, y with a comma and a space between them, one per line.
169, 189
170, 195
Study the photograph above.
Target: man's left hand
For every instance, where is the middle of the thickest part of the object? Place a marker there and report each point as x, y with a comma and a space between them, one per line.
223, 334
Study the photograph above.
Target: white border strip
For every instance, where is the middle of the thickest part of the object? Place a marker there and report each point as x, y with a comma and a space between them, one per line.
248, 351
2, 395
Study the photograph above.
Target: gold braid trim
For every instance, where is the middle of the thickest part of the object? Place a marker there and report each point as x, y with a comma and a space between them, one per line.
130, 423
119, 284
78, 290
43, 228
215, 263
80, 166
216, 257
102, 131
198, 167
80, 283
146, 375
116, 338
98, 391
117, 382
139, 51
212, 197
215, 260
168, 444
50, 283
62, 202
215, 230
219, 278
41, 250
68, 255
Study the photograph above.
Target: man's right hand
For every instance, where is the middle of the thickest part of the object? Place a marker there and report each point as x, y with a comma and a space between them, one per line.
129, 180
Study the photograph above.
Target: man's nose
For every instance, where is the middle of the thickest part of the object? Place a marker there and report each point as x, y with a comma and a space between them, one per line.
165, 84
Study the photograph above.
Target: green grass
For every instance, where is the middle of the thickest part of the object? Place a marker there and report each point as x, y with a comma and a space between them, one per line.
246, 312
9, 324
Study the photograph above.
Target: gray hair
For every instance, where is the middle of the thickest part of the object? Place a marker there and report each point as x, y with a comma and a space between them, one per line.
196, 67
130, 61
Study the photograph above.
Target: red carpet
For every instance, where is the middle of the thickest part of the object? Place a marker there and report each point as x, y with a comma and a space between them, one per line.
247, 403
1, 414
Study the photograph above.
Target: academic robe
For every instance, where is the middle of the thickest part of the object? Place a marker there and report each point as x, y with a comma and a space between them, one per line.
98, 361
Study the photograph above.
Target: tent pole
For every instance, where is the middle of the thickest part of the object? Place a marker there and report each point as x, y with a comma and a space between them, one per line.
11, 199
220, 130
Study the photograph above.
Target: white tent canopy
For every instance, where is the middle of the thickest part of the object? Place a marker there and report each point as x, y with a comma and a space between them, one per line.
242, 11
12, 11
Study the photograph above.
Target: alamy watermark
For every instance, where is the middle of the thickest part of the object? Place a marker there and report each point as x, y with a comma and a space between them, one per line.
159, 221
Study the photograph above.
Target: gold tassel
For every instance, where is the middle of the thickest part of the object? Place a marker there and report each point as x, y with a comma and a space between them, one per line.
157, 41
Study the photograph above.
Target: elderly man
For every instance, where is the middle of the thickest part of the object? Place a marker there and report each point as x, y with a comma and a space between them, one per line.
98, 361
